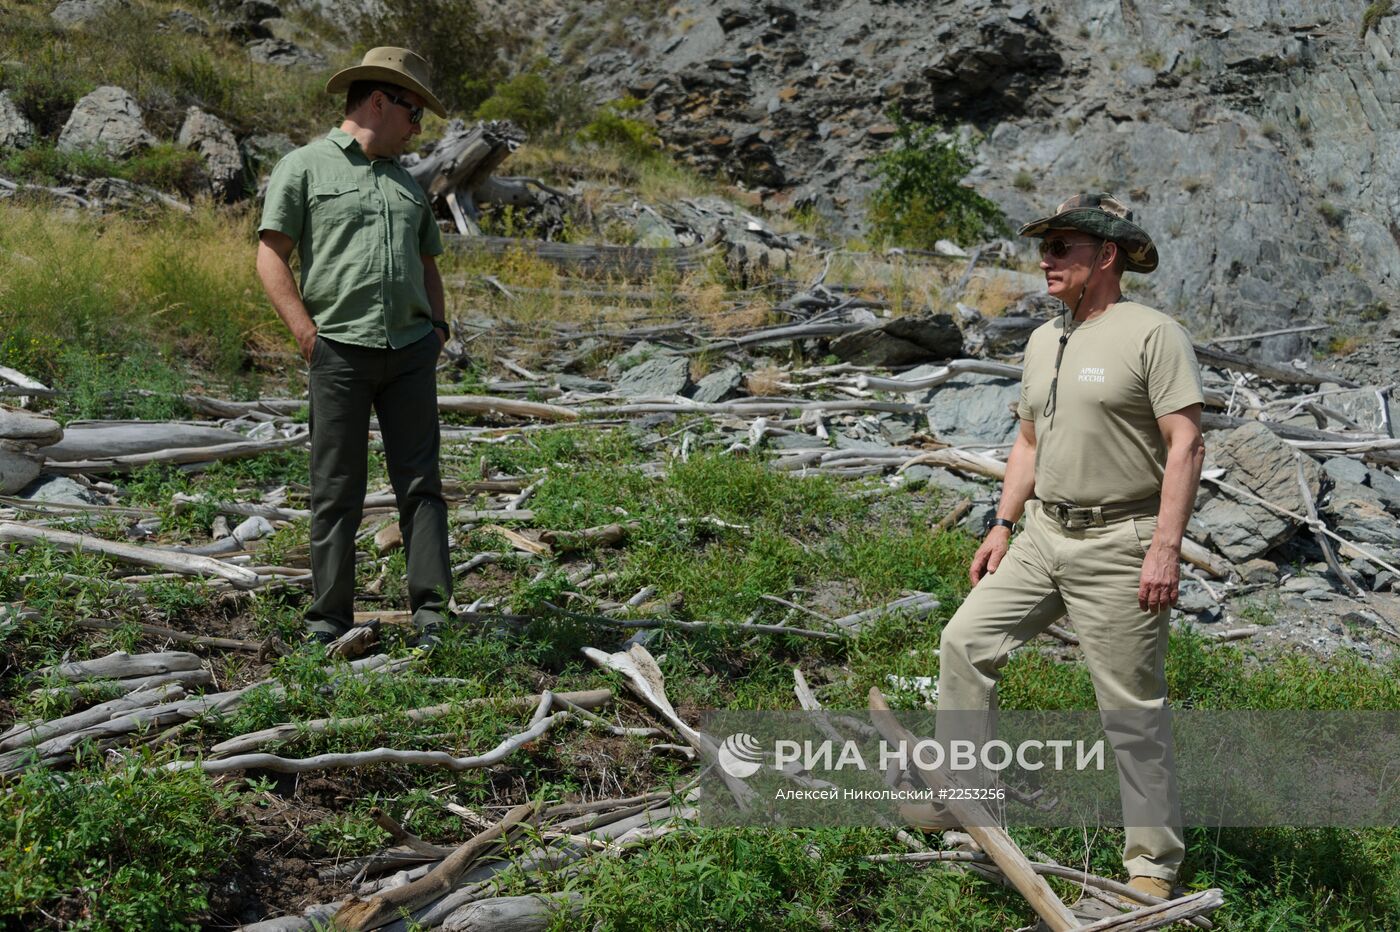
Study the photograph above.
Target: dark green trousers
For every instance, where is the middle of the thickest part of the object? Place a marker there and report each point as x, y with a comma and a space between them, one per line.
400, 385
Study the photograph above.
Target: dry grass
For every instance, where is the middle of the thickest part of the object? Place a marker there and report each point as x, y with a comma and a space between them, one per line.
765, 381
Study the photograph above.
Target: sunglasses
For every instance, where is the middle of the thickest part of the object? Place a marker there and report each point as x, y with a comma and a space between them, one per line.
415, 114
1058, 248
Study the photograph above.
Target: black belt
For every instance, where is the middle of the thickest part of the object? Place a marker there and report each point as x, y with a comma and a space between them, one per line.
1074, 517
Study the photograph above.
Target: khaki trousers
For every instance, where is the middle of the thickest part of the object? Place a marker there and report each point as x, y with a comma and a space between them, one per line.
1092, 575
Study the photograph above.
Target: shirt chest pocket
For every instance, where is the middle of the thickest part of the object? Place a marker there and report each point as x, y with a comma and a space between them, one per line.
406, 209
335, 201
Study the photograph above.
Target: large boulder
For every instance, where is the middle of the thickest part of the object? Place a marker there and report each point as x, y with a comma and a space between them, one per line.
20, 435
661, 375
901, 341
1255, 459
74, 14
16, 132
215, 143
109, 120
284, 54
718, 385
971, 408
18, 467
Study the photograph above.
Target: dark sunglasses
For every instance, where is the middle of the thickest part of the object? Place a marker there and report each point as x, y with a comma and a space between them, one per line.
415, 114
1058, 248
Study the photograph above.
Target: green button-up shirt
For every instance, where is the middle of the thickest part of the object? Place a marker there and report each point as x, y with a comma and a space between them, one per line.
361, 227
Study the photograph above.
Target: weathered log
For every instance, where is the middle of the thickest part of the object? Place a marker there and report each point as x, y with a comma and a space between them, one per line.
532, 913
120, 664
1287, 375
607, 535
629, 262
381, 755
113, 688
183, 563
360, 915
21, 735
918, 605
242, 744
466, 156
170, 634
645, 679
1163, 914
101, 440
510, 407
184, 455
977, 823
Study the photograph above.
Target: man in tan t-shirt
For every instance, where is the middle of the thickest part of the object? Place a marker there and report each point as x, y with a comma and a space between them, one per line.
1105, 470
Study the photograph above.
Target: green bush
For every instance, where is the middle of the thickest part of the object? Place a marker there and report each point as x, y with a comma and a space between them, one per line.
460, 45
536, 101
612, 127
920, 198
125, 847
1374, 14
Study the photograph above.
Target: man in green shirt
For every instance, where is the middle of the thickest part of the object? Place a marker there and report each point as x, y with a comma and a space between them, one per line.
369, 319
1105, 471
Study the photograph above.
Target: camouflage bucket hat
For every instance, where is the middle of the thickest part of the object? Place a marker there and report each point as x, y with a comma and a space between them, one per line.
1106, 217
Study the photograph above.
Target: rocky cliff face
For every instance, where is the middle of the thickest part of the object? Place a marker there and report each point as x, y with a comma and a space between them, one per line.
1255, 138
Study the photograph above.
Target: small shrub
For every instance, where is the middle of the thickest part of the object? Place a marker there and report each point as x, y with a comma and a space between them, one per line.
1374, 14
1270, 130
1154, 59
920, 198
167, 167
537, 101
611, 126
1334, 215
123, 847
1024, 181
460, 45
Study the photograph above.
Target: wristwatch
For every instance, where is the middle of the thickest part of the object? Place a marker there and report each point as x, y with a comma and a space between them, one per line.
990, 523
446, 330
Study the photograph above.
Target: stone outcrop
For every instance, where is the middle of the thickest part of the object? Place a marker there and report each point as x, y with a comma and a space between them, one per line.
215, 143
16, 132
107, 120
1253, 138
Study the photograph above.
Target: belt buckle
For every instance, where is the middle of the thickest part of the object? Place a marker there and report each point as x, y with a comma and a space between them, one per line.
1066, 514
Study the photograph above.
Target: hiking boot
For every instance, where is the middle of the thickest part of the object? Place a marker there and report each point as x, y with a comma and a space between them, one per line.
324, 638
1155, 886
427, 639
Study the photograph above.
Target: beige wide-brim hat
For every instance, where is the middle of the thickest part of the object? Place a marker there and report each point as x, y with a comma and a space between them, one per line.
400, 67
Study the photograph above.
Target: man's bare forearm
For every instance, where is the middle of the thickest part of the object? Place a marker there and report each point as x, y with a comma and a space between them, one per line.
1019, 483
1180, 481
276, 275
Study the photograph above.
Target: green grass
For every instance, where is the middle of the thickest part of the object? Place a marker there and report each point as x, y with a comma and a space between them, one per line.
112, 847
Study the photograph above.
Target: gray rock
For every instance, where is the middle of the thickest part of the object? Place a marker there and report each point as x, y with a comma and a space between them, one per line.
214, 141
795, 441
577, 383
264, 150
1257, 460
108, 119
901, 341
1301, 113
74, 14
1345, 469
1369, 410
638, 353
30, 429
956, 486
60, 490
662, 375
16, 132
1358, 514
970, 408
718, 385
1194, 600
186, 22
582, 354
1386, 487
284, 54
946, 247
1259, 571
18, 467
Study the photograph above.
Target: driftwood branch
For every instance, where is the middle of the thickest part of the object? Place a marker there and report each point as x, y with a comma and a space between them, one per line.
183, 563
359, 915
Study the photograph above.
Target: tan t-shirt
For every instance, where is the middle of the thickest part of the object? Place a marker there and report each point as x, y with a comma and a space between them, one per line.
1121, 371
